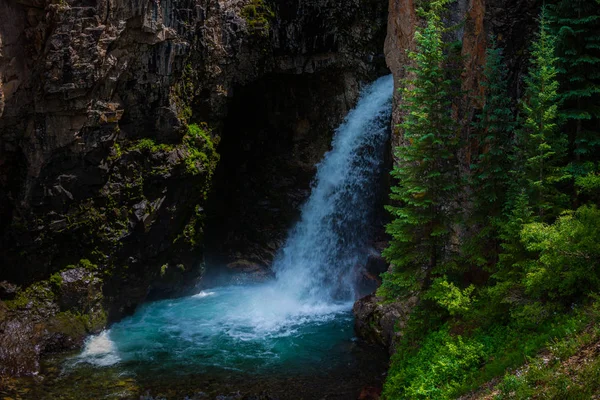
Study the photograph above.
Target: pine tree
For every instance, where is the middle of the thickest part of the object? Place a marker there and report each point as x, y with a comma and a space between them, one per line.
490, 179
542, 145
514, 257
427, 171
495, 129
576, 25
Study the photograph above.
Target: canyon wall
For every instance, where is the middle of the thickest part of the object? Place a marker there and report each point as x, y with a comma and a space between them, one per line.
111, 114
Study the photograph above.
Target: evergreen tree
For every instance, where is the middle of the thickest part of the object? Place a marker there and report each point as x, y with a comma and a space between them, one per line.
490, 178
576, 25
427, 171
515, 256
495, 129
542, 145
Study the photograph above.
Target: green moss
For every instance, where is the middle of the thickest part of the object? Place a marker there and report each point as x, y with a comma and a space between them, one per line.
185, 92
42, 293
36, 296
147, 144
77, 325
202, 155
193, 232
69, 324
56, 280
117, 152
258, 16
87, 264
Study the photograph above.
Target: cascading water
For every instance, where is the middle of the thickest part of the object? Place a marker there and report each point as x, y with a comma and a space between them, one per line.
320, 258
300, 319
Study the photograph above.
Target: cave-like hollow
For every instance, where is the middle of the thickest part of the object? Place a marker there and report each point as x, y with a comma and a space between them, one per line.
277, 129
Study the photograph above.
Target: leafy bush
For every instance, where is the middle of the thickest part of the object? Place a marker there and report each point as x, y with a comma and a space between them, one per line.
450, 297
441, 365
569, 255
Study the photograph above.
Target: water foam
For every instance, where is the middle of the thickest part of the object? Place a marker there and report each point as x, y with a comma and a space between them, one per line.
203, 294
99, 350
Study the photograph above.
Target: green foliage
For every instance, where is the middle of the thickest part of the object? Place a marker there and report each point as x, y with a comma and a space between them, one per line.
541, 143
56, 280
446, 364
441, 366
569, 255
258, 16
193, 233
149, 145
450, 297
553, 376
589, 185
490, 180
576, 25
528, 258
426, 174
202, 155
514, 255
495, 128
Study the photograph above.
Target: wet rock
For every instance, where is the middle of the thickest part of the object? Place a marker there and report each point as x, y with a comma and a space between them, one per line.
8, 291
82, 85
19, 352
382, 323
49, 316
80, 290
245, 266
370, 393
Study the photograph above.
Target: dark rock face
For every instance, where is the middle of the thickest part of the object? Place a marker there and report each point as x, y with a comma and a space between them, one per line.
99, 161
382, 323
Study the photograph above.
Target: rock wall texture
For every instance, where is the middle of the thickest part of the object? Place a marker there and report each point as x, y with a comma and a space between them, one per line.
512, 22
111, 112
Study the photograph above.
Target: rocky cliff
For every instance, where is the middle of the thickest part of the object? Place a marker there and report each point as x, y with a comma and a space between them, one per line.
111, 114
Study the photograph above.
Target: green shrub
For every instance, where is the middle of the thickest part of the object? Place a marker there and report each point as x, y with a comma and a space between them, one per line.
436, 370
202, 155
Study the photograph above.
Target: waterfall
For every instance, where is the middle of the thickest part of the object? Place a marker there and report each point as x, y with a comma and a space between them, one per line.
324, 250
305, 312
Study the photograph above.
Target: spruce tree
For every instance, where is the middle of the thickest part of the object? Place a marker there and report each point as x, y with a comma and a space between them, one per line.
490, 178
427, 170
576, 25
542, 145
495, 130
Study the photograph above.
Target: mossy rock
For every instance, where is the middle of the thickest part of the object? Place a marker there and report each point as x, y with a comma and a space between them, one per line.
258, 16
